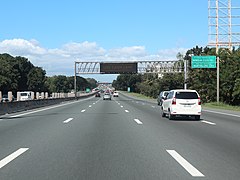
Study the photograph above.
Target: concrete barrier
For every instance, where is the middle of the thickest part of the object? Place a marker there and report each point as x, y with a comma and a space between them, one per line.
17, 106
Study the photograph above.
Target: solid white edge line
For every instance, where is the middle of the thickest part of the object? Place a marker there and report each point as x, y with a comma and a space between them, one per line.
138, 121
68, 120
12, 156
126, 111
185, 164
208, 122
216, 112
83, 110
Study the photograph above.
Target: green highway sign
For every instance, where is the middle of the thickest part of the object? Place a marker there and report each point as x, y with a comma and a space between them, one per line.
203, 61
88, 90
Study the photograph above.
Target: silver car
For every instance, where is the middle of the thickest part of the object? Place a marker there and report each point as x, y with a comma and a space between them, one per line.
161, 96
107, 96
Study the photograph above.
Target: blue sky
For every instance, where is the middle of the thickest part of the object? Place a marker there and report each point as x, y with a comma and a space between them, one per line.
53, 33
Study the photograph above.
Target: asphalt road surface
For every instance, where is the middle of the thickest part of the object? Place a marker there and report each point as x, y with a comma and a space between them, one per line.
123, 139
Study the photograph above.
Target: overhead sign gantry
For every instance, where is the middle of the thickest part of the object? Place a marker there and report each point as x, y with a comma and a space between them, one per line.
129, 67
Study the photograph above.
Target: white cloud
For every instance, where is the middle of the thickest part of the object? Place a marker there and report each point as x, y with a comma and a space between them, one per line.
128, 52
171, 53
84, 49
21, 47
61, 60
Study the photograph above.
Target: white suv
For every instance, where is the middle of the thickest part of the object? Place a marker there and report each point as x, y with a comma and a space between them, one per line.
182, 103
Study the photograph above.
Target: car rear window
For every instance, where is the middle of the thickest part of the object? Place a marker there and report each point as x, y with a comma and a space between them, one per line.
24, 94
186, 95
166, 93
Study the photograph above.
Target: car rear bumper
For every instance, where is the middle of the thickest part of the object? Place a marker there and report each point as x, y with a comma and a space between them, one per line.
190, 112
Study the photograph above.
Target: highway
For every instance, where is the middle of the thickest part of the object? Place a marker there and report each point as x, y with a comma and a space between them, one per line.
123, 139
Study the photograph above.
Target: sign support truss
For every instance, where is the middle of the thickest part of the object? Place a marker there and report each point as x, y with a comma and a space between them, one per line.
142, 67
159, 67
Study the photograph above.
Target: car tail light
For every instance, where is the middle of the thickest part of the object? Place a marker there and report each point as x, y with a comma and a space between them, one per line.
199, 101
174, 101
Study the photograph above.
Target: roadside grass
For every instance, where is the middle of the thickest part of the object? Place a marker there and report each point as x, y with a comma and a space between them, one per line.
221, 105
215, 105
139, 96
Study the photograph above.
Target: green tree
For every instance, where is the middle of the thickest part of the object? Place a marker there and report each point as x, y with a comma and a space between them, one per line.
23, 67
92, 82
9, 75
36, 80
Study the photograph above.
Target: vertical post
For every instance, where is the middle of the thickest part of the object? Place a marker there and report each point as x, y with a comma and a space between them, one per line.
218, 79
75, 80
217, 34
185, 74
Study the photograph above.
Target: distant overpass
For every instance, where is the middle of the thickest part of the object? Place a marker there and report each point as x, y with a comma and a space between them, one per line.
104, 83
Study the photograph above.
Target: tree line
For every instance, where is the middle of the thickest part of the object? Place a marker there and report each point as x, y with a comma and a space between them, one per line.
202, 80
19, 74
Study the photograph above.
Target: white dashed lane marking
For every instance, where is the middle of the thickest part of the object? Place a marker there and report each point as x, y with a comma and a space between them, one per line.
68, 120
208, 122
138, 121
12, 156
185, 164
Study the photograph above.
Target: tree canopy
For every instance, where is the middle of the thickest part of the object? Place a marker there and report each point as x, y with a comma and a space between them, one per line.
19, 74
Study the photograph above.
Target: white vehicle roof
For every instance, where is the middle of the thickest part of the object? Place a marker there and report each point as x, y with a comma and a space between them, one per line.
184, 90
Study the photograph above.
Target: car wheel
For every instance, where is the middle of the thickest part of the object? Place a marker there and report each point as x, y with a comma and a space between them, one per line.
163, 114
197, 117
170, 117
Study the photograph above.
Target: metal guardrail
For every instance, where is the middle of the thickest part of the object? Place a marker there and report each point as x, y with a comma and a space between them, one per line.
18, 106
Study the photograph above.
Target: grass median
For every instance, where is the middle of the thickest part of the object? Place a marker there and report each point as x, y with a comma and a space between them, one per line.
221, 105
141, 96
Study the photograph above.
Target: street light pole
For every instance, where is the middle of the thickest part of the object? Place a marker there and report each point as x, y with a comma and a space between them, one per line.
185, 74
75, 80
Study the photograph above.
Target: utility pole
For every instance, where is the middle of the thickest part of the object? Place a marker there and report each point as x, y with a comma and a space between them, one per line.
75, 80
185, 74
217, 41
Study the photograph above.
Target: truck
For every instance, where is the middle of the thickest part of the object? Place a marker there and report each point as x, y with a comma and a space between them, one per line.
25, 96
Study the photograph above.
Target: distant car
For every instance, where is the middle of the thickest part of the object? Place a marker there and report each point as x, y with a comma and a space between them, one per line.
107, 96
161, 96
115, 94
97, 94
182, 103
25, 96
5, 98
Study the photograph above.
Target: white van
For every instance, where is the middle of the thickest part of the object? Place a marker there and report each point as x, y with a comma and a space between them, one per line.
182, 103
25, 96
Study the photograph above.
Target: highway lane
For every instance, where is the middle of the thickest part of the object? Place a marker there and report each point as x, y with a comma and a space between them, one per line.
118, 139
